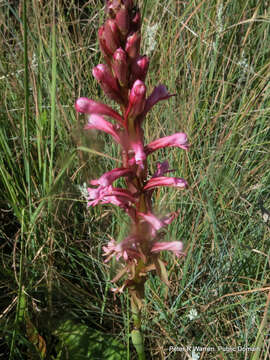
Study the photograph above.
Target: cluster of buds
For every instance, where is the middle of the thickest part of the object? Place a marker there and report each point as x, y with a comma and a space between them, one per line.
122, 80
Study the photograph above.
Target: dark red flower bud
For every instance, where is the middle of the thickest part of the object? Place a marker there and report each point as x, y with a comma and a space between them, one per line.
122, 21
111, 35
133, 45
136, 22
113, 6
120, 66
139, 68
107, 54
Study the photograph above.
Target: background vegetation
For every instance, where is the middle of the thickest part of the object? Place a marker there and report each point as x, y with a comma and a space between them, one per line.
214, 54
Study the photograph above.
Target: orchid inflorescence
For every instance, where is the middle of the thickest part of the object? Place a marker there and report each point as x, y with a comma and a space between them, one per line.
122, 80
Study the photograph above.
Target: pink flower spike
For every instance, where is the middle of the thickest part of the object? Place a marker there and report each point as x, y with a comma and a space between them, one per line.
165, 181
99, 123
109, 177
177, 140
88, 106
175, 246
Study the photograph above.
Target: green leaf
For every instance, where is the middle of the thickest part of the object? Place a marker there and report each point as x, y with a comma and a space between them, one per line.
79, 342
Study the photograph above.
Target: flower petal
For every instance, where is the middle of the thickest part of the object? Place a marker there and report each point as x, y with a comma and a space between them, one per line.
160, 92
109, 177
99, 123
177, 139
165, 181
175, 246
89, 106
162, 168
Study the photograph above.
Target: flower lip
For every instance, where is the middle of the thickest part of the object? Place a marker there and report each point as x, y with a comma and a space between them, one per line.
109, 177
99, 123
165, 181
89, 106
108, 194
175, 246
178, 140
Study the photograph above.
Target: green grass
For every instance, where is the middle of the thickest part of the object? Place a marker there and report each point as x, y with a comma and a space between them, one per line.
215, 56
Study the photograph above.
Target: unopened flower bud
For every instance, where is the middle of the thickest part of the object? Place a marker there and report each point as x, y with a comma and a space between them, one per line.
112, 7
137, 99
120, 66
111, 35
136, 22
102, 43
133, 45
107, 82
122, 21
139, 68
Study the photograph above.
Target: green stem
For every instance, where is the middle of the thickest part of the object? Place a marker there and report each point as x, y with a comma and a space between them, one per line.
137, 340
136, 334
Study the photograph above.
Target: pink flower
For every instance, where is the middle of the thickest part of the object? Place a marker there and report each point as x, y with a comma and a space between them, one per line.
177, 139
165, 181
96, 195
175, 246
139, 156
99, 123
126, 249
108, 194
109, 177
157, 223
88, 106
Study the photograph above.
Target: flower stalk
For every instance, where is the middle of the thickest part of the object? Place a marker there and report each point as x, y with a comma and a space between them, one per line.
122, 80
